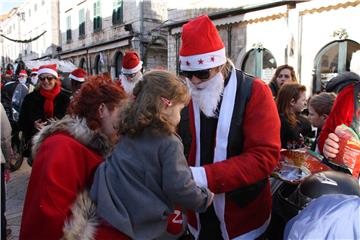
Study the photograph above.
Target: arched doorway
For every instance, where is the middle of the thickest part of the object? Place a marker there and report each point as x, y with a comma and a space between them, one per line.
98, 64
118, 63
259, 62
332, 59
83, 65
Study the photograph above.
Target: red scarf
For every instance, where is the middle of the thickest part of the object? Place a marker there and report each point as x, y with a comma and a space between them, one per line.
49, 99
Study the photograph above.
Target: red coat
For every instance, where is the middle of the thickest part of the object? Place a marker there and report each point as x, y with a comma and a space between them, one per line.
63, 168
341, 113
261, 131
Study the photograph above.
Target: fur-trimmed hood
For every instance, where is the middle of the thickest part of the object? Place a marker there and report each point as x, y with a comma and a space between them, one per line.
77, 128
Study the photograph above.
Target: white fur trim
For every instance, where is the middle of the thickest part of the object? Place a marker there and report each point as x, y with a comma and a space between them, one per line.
203, 61
77, 78
132, 70
47, 70
199, 176
222, 133
33, 73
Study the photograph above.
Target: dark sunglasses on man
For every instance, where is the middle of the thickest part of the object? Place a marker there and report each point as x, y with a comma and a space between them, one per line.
49, 78
201, 74
129, 75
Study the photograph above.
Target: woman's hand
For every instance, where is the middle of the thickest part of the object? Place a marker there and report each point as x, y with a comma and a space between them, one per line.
331, 146
39, 124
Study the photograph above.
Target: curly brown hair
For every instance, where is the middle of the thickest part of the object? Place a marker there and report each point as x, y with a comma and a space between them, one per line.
95, 91
145, 111
279, 69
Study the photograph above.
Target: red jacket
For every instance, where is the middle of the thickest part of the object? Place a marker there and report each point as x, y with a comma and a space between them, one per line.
260, 154
62, 169
341, 113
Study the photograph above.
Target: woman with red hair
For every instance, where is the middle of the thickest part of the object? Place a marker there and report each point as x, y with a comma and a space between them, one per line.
66, 154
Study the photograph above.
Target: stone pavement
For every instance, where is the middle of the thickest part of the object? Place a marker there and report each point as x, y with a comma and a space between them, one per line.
15, 195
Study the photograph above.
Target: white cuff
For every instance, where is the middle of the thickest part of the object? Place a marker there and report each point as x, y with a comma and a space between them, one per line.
199, 176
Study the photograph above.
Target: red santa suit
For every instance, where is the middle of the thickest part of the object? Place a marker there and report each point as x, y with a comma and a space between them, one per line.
67, 154
341, 113
244, 154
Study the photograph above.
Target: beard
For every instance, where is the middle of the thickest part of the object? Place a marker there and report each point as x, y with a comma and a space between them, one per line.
207, 94
129, 85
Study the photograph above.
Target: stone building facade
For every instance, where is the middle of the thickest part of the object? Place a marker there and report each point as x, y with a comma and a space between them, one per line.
316, 37
95, 34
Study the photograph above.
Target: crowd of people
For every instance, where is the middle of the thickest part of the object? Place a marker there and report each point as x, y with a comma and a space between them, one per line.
128, 159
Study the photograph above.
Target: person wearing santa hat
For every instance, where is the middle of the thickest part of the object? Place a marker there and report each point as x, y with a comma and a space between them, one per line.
77, 78
44, 103
33, 79
343, 111
131, 71
235, 137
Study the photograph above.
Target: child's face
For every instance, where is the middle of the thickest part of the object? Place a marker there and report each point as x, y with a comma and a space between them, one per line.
315, 119
173, 113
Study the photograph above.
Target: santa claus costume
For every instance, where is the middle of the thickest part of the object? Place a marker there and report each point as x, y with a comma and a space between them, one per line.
131, 71
235, 141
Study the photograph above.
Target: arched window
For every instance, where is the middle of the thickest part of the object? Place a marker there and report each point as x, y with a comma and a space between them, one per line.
261, 63
332, 59
98, 64
83, 65
118, 62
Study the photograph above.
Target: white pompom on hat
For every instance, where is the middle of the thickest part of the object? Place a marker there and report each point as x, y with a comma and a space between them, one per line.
50, 68
131, 63
78, 75
202, 47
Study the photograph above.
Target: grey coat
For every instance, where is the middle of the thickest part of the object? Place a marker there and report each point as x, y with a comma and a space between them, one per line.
137, 187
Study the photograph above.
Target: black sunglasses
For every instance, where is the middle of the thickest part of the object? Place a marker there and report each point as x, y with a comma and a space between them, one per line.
201, 74
49, 78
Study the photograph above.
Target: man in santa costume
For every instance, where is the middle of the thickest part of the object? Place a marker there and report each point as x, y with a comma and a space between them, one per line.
77, 78
131, 71
235, 137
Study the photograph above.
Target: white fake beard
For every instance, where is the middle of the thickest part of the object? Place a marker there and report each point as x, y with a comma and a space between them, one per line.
208, 94
22, 80
34, 80
127, 85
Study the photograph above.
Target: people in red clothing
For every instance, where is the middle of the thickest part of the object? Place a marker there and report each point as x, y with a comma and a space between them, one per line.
235, 141
131, 71
66, 154
341, 113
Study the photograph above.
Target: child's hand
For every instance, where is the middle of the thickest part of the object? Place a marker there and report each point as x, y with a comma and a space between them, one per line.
331, 146
40, 124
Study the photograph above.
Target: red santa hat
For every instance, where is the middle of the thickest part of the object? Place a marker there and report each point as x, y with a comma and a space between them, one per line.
9, 72
50, 68
34, 71
202, 47
23, 73
131, 63
78, 75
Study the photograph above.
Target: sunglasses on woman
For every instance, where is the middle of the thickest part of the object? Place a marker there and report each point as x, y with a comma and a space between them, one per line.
49, 78
201, 74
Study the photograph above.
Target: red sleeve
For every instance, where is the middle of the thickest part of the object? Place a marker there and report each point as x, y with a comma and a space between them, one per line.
59, 173
261, 126
341, 113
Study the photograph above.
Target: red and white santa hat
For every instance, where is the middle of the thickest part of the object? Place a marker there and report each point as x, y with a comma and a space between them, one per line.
78, 75
131, 63
202, 47
50, 68
23, 73
34, 71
